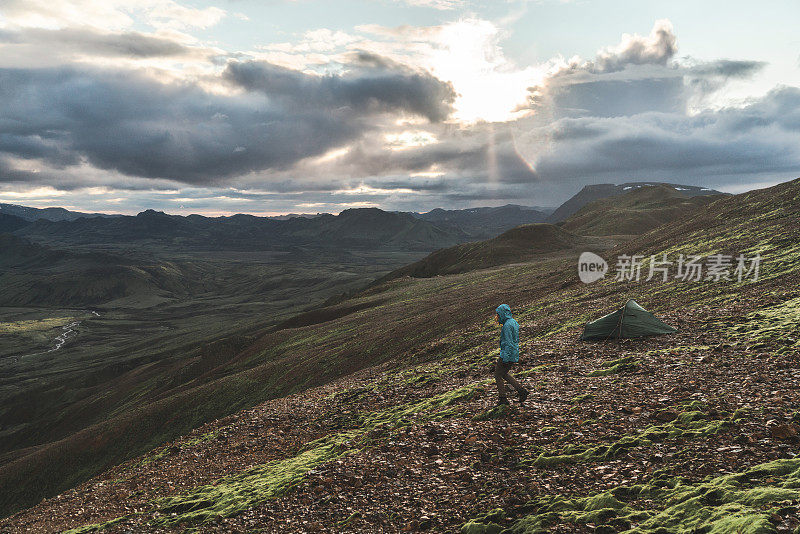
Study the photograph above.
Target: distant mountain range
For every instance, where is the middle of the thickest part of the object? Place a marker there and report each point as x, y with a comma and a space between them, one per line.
590, 193
293, 215
366, 228
11, 223
363, 229
485, 223
50, 214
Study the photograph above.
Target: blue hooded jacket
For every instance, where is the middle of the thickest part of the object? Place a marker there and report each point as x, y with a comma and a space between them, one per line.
509, 334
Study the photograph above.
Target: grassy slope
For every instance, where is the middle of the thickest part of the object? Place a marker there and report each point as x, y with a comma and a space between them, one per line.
636, 212
516, 245
417, 320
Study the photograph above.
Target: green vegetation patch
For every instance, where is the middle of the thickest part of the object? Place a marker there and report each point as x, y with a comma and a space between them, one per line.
582, 398
535, 370
96, 527
21, 327
168, 450
736, 503
486, 523
234, 494
429, 407
777, 327
612, 367
687, 425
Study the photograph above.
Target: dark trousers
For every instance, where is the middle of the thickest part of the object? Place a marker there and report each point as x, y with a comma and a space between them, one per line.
501, 376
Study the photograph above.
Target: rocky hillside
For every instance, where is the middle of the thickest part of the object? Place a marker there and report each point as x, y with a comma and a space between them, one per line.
691, 432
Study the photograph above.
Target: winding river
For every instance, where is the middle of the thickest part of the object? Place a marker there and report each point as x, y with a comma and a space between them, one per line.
67, 332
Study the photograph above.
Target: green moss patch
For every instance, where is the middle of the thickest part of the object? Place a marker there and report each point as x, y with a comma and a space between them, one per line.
612, 367
582, 398
486, 523
96, 527
776, 327
687, 425
234, 494
737, 503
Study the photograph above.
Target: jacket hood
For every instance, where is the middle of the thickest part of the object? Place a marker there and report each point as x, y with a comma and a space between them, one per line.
504, 312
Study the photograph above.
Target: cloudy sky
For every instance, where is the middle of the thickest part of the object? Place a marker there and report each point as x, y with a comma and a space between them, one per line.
277, 106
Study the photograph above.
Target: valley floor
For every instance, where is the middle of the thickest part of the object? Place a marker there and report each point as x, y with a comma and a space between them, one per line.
653, 433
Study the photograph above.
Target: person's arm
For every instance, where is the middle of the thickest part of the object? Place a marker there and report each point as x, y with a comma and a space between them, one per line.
506, 340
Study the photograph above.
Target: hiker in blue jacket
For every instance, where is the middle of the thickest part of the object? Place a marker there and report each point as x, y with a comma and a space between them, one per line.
509, 355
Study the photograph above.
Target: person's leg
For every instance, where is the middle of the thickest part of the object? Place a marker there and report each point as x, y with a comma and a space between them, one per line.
521, 391
500, 370
513, 381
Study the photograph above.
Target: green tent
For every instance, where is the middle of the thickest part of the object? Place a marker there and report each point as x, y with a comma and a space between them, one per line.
629, 321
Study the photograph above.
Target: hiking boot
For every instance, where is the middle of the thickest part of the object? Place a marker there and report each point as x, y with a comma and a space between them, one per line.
523, 394
503, 400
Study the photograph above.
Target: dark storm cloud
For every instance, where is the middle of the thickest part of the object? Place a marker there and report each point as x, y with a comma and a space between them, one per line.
636, 89
759, 138
379, 88
127, 122
621, 116
139, 127
128, 44
370, 59
484, 154
705, 149
34, 146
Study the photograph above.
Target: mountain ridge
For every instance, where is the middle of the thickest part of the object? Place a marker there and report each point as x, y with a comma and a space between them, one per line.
486, 222
247, 232
53, 213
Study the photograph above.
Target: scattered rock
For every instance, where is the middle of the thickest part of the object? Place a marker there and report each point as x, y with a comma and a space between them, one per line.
665, 416
784, 431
